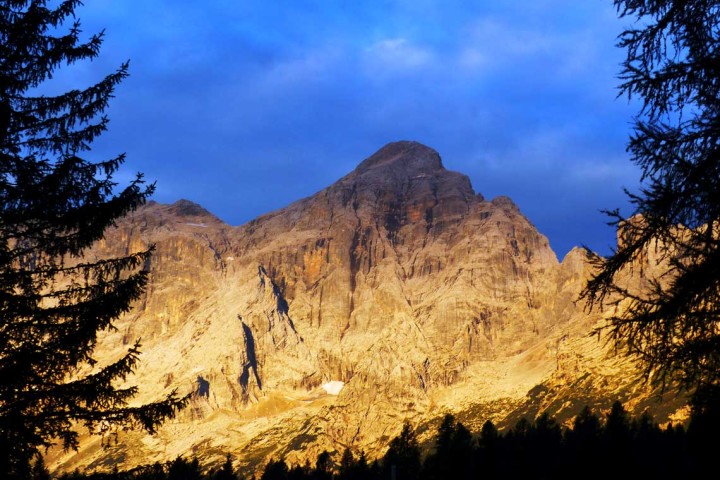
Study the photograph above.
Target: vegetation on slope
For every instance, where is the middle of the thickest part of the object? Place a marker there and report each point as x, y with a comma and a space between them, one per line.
608, 445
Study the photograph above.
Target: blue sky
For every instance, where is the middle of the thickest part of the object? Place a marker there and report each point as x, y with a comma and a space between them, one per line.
245, 106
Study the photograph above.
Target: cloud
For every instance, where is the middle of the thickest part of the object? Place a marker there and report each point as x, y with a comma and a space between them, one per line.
397, 55
245, 107
491, 44
602, 172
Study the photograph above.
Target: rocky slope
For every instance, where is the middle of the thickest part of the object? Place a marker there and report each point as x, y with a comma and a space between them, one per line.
397, 293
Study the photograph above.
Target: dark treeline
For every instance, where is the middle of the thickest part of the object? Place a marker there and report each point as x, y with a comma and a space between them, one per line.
612, 446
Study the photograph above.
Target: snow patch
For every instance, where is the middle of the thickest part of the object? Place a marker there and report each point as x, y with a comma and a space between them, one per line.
196, 224
333, 387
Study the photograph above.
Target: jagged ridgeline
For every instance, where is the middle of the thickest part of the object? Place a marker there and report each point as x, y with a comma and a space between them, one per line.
396, 294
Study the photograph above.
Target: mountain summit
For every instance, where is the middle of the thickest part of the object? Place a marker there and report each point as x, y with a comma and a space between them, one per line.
411, 157
407, 181
395, 294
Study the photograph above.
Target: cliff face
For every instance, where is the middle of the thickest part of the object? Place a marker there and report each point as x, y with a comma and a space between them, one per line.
397, 293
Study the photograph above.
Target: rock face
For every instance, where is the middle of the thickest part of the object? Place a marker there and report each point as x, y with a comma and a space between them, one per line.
397, 283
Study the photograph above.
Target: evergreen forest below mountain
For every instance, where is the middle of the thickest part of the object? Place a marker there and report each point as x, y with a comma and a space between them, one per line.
612, 444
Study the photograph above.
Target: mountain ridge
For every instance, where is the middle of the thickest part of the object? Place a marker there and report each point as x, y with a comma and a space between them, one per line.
398, 285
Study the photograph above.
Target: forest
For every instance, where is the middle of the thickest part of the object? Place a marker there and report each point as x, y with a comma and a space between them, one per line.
612, 445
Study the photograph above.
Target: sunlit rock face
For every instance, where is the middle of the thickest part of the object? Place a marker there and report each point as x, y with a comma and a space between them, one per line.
398, 293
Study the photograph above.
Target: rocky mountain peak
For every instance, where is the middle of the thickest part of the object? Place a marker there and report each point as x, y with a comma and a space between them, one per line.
404, 173
186, 208
397, 283
408, 156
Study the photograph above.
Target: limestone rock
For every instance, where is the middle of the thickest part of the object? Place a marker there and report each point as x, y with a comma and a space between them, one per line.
398, 282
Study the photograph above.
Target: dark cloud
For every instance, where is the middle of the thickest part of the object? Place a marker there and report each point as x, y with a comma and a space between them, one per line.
247, 106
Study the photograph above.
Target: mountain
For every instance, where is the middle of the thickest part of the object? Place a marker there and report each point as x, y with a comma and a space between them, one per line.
396, 294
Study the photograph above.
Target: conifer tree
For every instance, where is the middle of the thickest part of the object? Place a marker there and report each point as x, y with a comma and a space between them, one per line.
584, 437
363, 471
275, 470
347, 465
226, 472
323, 467
39, 470
403, 456
453, 452
673, 66
182, 469
54, 205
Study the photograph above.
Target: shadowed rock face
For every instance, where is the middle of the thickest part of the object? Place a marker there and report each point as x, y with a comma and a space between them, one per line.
391, 238
398, 280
